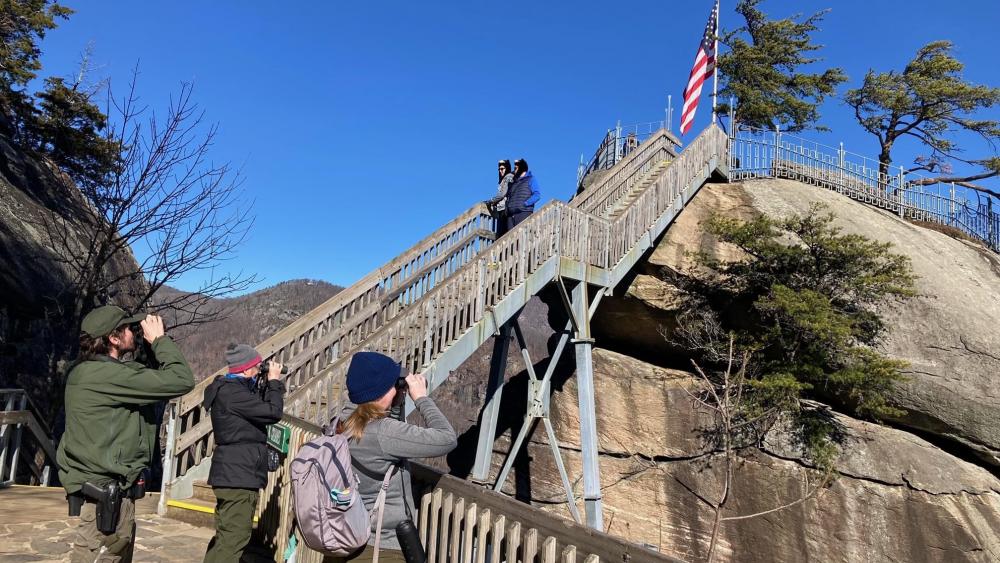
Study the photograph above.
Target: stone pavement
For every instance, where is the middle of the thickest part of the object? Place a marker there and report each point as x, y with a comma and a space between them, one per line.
34, 527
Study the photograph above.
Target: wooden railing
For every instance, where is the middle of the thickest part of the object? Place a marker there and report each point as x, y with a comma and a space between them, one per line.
339, 325
459, 522
558, 231
610, 189
17, 414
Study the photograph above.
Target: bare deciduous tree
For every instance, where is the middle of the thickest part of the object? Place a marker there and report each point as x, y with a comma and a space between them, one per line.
163, 199
740, 423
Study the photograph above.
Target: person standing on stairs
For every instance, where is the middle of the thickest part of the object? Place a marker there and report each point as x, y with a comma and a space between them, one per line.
522, 195
380, 443
241, 411
111, 426
498, 204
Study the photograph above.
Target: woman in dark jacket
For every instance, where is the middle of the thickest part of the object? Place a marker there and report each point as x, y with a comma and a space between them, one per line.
380, 443
498, 204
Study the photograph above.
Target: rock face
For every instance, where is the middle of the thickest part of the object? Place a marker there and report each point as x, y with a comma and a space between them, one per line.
896, 497
948, 333
36, 199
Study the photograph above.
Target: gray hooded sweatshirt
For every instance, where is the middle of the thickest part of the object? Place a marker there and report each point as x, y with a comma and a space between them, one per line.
386, 442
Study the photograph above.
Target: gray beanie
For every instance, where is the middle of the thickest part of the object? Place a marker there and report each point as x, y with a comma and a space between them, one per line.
241, 357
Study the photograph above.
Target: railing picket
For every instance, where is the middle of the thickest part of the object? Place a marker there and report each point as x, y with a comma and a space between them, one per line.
435, 518
468, 537
513, 542
440, 544
496, 539
530, 546
549, 550
455, 541
425, 518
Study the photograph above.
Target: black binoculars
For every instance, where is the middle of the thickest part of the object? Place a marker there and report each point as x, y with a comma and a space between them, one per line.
266, 367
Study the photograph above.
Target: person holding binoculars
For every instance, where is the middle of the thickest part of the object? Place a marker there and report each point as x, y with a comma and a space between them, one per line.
242, 403
379, 441
111, 426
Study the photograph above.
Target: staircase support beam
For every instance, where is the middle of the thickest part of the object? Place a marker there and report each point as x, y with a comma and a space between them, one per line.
491, 412
584, 345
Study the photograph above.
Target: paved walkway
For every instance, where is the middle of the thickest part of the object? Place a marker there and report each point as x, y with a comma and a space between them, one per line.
34, 527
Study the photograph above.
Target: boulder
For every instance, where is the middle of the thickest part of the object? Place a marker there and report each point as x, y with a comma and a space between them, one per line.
894, 497
947, 334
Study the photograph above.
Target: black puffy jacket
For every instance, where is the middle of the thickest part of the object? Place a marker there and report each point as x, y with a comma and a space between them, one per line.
239, 420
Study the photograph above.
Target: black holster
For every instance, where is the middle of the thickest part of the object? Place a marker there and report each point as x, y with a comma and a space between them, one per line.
109, 504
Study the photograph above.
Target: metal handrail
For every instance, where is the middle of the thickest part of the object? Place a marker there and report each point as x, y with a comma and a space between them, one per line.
756, 153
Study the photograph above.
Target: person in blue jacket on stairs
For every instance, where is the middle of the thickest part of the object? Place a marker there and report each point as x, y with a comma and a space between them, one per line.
522, 195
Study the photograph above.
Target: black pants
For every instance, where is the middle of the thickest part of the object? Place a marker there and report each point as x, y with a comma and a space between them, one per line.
512, 220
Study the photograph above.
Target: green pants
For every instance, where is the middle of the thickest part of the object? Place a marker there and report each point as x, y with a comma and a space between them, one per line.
234, 510
91, 546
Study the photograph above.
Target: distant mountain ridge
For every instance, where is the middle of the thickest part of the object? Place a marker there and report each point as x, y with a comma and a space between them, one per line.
247, 319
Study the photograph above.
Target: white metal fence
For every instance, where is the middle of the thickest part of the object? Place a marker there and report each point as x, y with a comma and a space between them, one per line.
755, 153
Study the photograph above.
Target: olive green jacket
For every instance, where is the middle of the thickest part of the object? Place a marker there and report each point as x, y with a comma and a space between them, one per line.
111, 415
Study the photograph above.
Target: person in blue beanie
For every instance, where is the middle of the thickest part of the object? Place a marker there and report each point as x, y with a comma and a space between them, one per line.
522, 195
379, 442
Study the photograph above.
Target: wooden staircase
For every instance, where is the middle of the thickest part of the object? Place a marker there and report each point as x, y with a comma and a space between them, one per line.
431, 307
638, 187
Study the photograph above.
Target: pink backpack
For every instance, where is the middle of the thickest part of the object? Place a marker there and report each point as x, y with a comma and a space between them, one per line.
328, 508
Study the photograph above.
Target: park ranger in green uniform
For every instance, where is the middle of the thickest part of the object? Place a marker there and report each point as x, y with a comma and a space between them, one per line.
111, 427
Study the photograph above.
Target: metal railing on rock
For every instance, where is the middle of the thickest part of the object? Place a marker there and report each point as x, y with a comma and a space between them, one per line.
756, 153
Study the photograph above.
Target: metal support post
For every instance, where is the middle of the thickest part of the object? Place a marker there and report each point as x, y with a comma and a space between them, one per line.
5, 432
618, 142
168, 458
538, 409
588, 416
951, 217
491, 411
16, 455
901, 190
840, 168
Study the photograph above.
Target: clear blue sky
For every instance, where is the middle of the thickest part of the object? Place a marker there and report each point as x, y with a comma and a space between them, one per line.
363, 126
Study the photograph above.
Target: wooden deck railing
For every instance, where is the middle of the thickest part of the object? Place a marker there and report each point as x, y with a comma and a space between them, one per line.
339, 325
459, 522
421, 332
18, 414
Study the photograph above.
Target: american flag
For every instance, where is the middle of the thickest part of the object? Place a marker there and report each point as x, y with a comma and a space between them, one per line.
704, 65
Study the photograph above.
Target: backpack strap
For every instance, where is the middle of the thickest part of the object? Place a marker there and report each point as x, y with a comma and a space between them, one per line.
379, 506
331, 428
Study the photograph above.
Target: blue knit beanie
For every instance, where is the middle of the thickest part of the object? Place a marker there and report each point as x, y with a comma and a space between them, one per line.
370, 376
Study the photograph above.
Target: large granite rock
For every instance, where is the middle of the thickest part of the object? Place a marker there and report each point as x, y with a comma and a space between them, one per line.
40, 206
896, 497
948, 333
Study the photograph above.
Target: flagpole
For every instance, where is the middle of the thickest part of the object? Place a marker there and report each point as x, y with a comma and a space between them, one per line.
715, 70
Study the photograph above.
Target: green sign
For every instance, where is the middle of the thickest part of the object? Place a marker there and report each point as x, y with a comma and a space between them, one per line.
278, 437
